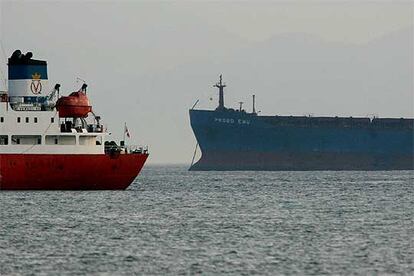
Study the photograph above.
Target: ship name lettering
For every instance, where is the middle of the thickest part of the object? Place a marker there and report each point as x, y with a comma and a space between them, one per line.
232, 121
224, 120
243, 122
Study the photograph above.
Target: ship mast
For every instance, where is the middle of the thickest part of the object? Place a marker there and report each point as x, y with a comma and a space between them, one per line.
220, 85
3, 77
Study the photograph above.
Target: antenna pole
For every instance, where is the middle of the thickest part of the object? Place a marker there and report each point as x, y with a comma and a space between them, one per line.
241, 106
195, 104
124, 132
3, 74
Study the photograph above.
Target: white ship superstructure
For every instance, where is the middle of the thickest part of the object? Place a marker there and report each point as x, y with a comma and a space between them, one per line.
48, 141
29, 119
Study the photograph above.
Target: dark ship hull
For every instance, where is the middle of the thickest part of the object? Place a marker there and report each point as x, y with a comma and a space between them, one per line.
235, 140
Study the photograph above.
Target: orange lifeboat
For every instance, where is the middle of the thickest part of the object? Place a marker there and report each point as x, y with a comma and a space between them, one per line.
75, 105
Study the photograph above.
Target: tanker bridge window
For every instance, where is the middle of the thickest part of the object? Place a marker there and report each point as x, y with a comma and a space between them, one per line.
52, 120
27, 119
18, 119
1, 119
35, 120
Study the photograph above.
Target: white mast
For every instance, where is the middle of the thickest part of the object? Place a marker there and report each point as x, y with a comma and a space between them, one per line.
3, 59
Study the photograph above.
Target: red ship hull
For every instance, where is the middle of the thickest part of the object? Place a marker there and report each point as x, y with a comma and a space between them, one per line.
69, 172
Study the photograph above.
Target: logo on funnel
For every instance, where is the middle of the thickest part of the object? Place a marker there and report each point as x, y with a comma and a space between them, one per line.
36, 85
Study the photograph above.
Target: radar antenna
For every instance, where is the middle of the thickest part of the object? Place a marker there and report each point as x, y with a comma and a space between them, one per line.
3, 76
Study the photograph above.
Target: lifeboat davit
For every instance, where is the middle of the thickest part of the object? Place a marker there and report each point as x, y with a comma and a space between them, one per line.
75, 105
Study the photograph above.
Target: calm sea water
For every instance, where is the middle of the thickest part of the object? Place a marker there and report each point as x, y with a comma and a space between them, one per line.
171, 221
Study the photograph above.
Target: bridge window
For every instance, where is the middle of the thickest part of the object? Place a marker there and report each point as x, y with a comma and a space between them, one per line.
27, 119
52, 120
4, 140
1, 119
87, 140
18, 119
60, 140
98, 140
26, 139
35, 120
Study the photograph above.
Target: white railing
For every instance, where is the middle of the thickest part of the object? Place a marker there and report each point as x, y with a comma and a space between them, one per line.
126, 149
136, 149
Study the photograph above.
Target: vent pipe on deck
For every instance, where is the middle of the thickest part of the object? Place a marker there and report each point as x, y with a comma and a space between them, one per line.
254, 103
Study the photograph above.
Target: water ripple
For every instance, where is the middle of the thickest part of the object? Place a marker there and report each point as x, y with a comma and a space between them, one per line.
171, 221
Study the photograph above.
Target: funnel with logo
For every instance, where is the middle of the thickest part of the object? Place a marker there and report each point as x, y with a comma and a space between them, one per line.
27, 76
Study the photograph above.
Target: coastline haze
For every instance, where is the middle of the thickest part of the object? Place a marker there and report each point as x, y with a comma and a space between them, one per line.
147, 63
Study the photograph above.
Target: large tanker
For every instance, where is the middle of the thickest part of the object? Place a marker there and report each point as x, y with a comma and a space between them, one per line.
236, 140
55, 143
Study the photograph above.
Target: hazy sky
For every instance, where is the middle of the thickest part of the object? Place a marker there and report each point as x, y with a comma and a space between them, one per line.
147, 62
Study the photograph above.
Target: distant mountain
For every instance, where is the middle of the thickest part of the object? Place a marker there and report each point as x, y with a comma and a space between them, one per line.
294, 74
301, 73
